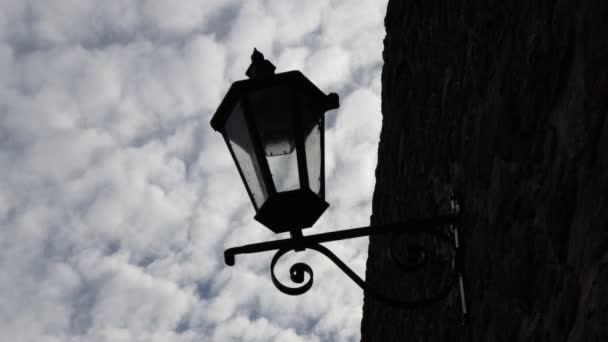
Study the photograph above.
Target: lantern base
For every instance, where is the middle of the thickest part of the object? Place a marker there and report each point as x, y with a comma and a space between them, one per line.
291, 210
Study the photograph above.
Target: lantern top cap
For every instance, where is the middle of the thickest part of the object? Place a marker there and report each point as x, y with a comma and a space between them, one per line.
295, 81
260, 67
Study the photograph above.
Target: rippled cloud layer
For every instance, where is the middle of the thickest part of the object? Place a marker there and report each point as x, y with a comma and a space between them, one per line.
117, 198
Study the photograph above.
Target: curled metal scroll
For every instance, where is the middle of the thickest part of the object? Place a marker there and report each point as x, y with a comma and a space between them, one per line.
298, 271
417, 255
296, 274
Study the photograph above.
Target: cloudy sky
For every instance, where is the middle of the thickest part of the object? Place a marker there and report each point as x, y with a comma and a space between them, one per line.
117, 198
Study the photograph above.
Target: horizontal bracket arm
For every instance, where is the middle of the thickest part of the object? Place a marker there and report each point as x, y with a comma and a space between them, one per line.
412, 225
299, 271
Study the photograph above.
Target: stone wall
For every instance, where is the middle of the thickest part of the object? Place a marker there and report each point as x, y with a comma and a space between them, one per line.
505, 103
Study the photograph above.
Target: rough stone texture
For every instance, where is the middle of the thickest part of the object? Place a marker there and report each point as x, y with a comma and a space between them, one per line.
506, 103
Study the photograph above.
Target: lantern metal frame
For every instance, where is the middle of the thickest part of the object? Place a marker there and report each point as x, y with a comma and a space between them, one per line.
271, 213
419, 255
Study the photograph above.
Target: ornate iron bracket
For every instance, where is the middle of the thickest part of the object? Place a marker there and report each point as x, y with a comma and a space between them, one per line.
417, 256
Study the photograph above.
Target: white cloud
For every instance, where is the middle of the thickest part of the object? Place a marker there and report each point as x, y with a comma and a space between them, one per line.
329, 67
293, 58
308, 18
118, 199
253, 27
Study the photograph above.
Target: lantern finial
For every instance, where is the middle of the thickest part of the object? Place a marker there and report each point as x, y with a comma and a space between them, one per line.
259, 67
257, 56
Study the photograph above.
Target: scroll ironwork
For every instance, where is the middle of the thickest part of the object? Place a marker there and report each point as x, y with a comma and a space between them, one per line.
417, 257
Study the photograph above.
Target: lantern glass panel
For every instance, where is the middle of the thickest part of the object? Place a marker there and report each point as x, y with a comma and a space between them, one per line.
314, 156
243, 149
273, 113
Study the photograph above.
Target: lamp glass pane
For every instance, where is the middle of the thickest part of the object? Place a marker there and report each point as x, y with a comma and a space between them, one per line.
272, 110
284, 169
313, 125
312, 143
242, 146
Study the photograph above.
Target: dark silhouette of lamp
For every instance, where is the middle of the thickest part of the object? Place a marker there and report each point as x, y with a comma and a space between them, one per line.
273, 125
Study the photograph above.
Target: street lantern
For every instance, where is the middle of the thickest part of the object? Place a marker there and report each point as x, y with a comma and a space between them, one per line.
273, 125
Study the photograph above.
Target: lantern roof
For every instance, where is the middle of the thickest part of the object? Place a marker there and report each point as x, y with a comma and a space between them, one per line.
292, 79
